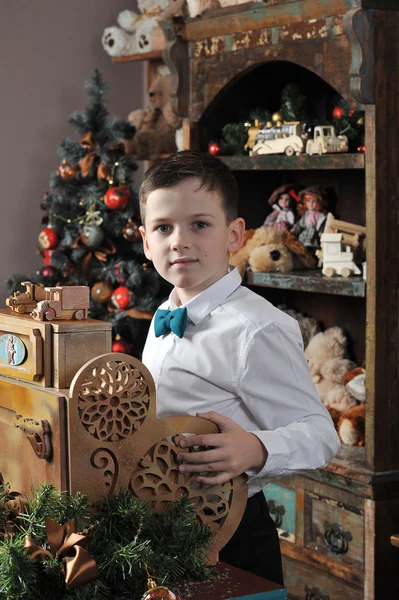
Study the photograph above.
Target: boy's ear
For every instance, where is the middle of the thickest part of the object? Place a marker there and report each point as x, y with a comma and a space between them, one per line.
236, 234
145, 243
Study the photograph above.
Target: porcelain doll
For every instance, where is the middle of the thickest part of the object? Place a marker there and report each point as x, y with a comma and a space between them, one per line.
283, 201
309, 228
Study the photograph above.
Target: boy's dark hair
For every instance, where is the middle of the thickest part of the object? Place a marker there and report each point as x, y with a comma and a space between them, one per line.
177, 167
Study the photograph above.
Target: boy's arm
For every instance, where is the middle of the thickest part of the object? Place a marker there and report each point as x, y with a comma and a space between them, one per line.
295, 428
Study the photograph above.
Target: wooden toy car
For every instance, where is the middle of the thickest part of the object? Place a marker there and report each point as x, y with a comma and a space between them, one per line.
25, 302
284, 139
324, 141
63, 303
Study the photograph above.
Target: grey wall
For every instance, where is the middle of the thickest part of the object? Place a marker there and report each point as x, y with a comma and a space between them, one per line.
48, 48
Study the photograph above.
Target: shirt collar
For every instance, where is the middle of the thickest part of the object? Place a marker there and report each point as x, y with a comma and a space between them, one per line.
202, 305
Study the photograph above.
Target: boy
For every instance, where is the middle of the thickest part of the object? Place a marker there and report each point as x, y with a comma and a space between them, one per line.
226, 354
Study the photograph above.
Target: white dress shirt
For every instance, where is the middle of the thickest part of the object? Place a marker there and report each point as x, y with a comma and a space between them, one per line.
242, 357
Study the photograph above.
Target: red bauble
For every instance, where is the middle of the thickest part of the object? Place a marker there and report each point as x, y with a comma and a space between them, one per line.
48, 239
47, 271
122, 297
361, 148
47, 257
214, 148
66, 171
120, 345
131, 232
159, 592
116, 198
338, 112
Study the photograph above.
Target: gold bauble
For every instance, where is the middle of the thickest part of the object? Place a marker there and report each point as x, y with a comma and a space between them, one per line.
360, 121
276, 117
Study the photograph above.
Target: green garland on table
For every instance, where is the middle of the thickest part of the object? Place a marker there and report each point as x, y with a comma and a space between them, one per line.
126, 540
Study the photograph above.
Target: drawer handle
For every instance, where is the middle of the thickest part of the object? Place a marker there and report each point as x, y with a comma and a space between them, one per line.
278, 511
315, 594
336, 538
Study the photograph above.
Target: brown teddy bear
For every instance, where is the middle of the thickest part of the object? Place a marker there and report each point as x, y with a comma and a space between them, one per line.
270, 249
156, 125
351, 423
326, 354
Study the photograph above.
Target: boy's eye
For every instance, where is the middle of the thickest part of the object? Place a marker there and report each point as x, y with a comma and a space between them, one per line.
200, 225
163, 228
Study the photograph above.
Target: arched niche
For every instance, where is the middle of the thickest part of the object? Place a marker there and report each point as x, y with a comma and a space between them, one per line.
261, 86
213, 72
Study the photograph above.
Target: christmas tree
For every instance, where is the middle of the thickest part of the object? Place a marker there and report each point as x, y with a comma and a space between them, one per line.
91, 232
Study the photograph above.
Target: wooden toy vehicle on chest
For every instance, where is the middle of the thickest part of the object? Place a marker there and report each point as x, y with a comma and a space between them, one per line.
49, 303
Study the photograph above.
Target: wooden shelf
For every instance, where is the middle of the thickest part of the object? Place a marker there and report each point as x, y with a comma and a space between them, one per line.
154, 55
310, 280
273, 162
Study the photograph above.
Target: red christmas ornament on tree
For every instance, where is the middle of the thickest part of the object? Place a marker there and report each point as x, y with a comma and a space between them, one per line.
214, 148
66, 171
47, 257
48, 239
159, 592
131, 232
120, 345
116, 198
47, 271
338, 112
122, 297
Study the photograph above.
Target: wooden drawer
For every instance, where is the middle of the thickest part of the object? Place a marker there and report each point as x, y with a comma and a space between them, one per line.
282, 507
334, 531
305, 582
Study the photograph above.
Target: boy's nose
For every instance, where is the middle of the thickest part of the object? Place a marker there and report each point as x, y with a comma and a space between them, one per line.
180, 240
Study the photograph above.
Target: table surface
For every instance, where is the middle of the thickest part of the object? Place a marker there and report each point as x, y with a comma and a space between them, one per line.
232, 584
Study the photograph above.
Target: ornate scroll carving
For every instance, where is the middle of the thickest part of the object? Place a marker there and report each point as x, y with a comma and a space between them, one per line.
38, 434
359, 29
106, 460
159, 481
175, 56
113, 400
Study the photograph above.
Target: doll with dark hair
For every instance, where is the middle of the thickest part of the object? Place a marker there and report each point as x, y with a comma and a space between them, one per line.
283, 201
314, 204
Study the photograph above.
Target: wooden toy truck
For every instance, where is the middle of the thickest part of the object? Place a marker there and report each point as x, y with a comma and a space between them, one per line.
63, 303
25, 302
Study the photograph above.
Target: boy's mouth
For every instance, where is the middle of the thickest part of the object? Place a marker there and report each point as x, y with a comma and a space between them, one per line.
183, 261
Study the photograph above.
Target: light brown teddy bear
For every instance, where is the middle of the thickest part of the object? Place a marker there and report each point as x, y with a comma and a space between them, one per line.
327, 354
156, 125
270, 249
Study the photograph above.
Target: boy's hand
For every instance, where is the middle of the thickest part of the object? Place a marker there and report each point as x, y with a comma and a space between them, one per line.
232, 451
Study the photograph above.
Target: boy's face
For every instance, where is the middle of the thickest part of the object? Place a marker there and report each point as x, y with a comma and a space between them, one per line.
187, 237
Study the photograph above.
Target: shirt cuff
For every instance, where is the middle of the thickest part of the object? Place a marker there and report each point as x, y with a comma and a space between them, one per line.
282, 459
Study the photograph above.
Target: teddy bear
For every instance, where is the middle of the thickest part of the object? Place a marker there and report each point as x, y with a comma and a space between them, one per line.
350, 424
140, 32
308, 325
267, 249
155, 125
327, 357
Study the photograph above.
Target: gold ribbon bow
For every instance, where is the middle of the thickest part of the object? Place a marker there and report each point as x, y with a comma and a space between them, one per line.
80, 568
107, 247
86, 162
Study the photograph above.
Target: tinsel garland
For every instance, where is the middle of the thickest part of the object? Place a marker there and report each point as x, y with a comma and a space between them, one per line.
126, 540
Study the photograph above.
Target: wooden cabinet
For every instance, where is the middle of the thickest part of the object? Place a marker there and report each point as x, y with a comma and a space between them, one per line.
335, 524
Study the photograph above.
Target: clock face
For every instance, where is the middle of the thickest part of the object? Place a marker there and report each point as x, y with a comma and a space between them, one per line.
12, 350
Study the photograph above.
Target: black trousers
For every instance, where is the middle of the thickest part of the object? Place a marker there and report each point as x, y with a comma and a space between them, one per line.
255, 546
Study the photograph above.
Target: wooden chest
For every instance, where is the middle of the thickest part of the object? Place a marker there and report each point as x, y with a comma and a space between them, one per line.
49, 354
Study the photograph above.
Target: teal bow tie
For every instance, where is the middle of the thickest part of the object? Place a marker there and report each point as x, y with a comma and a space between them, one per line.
170, 320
